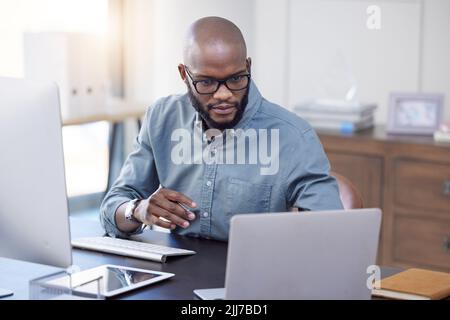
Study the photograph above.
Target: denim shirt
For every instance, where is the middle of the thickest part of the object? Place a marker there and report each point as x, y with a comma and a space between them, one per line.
298, 176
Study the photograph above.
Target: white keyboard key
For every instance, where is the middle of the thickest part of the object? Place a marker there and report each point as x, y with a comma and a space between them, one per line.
129, 248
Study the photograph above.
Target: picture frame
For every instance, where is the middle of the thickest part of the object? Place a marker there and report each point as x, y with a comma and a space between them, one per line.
414, 113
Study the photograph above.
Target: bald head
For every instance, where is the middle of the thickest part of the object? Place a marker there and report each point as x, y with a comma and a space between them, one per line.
214, 40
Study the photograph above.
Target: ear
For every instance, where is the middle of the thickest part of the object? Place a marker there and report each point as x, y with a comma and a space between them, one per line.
249, 64
182, 72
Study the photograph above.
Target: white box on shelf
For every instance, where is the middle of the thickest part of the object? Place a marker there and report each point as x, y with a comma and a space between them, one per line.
77, 62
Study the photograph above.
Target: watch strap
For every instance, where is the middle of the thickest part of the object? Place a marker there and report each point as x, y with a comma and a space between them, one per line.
130, 210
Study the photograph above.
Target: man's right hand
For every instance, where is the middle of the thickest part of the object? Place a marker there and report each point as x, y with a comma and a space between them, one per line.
165, 204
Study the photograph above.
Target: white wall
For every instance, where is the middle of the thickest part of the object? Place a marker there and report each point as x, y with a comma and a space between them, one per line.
11, 31
157, 29
301, 48
331, 48
19, 16
271, 49
436, 52
139, 46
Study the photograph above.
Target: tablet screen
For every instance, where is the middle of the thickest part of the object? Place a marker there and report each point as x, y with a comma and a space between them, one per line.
109, 280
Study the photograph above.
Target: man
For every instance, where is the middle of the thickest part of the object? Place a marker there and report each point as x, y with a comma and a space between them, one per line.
195, 162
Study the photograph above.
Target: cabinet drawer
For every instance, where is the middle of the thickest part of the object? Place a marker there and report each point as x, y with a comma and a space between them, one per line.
422, 185
422, 242
365, 172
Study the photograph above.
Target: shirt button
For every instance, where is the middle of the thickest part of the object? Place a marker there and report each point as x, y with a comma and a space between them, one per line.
209, 183
205, 214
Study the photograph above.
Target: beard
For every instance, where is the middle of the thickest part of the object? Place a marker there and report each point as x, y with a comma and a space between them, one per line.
203, 111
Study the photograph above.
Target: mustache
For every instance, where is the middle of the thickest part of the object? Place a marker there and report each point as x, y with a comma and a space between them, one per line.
203, 110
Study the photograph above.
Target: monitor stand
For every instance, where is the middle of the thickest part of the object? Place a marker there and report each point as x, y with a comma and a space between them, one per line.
5, 293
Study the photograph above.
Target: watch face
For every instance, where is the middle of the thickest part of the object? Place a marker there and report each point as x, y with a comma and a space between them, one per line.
419, 113
129, 210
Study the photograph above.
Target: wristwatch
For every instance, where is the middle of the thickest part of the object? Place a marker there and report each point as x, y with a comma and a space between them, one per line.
130, 210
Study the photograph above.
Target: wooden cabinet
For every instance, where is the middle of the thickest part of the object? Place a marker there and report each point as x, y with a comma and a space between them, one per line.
409, 179
364, 171
420, 241
422, 185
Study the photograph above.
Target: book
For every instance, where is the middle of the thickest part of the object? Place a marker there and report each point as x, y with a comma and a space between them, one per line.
331, 116
414, 284
342, 126
336, 106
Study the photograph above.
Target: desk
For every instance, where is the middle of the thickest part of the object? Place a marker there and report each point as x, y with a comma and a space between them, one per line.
206, 269
116, 112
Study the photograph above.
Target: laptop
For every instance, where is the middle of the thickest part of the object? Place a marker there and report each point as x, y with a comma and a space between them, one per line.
307, 255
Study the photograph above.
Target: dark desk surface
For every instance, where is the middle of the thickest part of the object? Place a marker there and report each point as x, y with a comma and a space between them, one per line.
206, 269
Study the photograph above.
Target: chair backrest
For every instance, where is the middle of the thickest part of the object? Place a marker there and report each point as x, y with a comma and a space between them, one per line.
350, 196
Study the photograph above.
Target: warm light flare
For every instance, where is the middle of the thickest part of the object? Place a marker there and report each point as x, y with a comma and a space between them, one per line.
65, 15
19, 16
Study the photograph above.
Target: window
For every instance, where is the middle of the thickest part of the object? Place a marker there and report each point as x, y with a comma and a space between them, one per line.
86, 158
19, 16
85, 147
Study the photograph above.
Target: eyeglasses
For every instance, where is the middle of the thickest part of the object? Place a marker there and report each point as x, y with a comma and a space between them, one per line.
210, 85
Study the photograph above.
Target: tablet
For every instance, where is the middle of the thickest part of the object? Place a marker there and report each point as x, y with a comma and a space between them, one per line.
5, 293
109, 280
210, 294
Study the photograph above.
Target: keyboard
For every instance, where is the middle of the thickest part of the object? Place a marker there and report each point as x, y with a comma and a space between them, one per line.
129, 248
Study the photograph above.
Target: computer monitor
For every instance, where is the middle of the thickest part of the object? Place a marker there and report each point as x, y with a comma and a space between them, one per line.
34, 219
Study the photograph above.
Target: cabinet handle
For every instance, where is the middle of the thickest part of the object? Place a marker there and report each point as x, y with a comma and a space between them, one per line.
446, 188
446, 244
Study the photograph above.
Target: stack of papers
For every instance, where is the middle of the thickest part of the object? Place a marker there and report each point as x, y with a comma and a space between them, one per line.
337, 115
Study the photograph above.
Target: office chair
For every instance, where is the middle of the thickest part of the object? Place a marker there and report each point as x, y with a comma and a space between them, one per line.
350, 196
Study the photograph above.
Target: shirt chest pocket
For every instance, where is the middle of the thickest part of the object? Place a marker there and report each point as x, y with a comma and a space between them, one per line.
246, 197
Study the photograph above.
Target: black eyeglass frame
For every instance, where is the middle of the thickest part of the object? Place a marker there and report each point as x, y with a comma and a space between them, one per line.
219, 82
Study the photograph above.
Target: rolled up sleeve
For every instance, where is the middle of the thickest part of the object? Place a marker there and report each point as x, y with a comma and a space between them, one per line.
309, 184
138, 179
